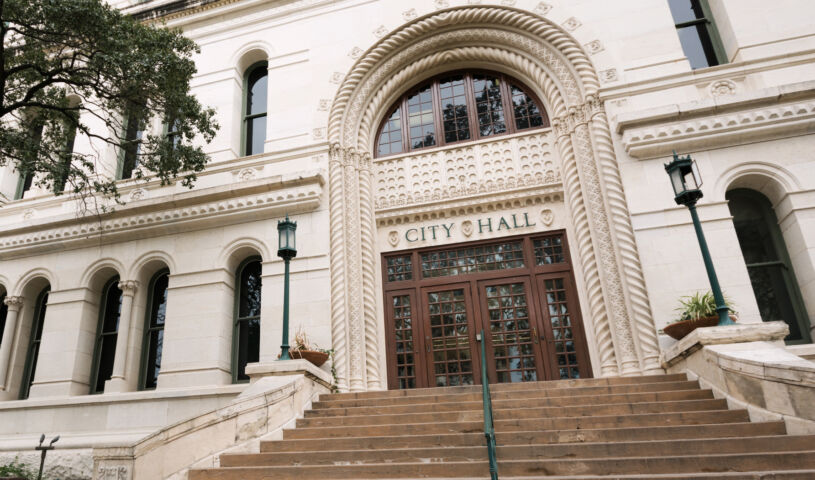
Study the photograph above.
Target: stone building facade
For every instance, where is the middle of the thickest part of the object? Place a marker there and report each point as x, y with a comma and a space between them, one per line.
388, 240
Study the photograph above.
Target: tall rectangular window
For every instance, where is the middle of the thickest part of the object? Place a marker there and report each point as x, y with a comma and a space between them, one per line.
697, 33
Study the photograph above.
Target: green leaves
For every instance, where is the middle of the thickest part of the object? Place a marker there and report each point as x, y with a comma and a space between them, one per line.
699, 305
63, 60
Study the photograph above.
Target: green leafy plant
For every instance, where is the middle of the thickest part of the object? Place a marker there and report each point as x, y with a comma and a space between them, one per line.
17, 469
699, 305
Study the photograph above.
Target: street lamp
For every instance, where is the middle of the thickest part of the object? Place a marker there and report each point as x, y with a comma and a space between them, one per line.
686, 183
286, 249
44, 449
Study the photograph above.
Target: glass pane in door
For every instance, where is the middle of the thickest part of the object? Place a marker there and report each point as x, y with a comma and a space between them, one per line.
511, 332
451, 360
562, 340
403, 325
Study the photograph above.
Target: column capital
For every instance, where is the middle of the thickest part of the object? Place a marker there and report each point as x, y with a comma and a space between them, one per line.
14, 303
128, 287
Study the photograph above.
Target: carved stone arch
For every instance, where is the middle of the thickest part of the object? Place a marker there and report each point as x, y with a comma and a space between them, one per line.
550, 61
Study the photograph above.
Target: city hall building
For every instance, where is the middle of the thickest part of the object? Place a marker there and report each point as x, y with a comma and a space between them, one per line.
453, 166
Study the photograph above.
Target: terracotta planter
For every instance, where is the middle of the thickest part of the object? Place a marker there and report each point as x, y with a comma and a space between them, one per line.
679, 330
317, 358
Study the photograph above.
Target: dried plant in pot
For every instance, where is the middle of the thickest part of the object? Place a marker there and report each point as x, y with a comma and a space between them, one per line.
697, 310
302, 348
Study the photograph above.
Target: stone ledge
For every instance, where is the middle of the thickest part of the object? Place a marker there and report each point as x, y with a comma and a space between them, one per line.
748, 332
256, 371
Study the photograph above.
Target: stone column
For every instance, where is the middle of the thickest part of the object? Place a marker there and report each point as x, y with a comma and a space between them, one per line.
117, 382
7, 337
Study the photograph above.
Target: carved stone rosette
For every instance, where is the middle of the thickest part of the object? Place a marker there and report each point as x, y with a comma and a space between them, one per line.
550, 60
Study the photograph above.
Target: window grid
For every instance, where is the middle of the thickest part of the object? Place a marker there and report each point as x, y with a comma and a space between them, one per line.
548, 250
489, 105
452, 364
454, 109
421, 124
400, 268
106, 336
464, 260
527, 112
405, 359
390, 139
697, 33
462, 112
562, 334
511, 332
38, 324
154, 331
246, 336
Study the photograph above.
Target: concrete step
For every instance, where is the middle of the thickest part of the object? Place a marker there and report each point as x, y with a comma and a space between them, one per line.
516, 413
557, 423
499, 387
321, 410
727, 430
526, 452
750, 462
530, 393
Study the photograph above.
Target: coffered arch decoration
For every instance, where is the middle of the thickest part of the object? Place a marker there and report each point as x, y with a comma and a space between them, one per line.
547, 59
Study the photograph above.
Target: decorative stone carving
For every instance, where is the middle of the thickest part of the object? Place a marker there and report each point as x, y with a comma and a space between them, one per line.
355, 53
409, 15
467, 228
441, 4
547, 216
595, 46
393, 238
28, 214
246, 174
324, 104
571, 24
318, 133
508, 3
722, 87
336, 78
565, 75
128, 287
495, 166
113, 473
138, 194
608, 76
381, 31
542, 8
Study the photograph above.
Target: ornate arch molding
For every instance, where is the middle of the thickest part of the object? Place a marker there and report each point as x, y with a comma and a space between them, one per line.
542, 54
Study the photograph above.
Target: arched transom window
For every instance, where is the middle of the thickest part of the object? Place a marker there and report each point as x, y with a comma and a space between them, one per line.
458, 107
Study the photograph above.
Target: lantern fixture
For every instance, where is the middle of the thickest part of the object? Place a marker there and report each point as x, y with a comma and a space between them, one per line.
687, 183
685, 180
286, 243
286, 249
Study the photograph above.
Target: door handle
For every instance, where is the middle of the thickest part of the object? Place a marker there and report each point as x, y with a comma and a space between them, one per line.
427, 343
535, 335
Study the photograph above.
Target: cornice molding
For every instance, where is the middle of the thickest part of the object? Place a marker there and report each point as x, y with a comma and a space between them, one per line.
766, 114
227, 204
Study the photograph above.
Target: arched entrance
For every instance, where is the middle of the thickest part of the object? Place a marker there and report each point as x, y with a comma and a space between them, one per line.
547, 59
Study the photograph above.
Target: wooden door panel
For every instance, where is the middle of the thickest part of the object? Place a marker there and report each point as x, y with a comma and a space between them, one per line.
565, 342
407, 370
450, 336
511, 320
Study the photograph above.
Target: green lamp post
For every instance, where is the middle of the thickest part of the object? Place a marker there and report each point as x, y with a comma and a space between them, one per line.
686, 183
286, 249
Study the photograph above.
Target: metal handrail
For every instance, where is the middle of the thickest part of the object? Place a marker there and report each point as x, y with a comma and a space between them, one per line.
489, 428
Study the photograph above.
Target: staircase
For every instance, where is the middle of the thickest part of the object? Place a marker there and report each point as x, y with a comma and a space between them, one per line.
658, 427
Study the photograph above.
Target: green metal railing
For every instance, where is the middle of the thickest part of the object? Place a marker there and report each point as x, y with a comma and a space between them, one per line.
489, 428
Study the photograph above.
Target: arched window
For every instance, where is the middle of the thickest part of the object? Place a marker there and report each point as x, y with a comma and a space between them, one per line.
34, 129
246, 335
254, 117
457, 107
154, 330
71, 122
104, 350
768, 262
37, 323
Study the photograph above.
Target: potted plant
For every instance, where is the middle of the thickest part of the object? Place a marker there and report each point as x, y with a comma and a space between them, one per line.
697, 310
302, 348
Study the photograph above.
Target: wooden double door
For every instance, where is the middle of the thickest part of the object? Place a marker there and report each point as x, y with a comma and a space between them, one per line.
519, 291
